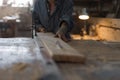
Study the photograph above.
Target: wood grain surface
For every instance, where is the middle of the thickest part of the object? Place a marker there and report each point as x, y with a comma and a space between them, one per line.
59, 50
22, 59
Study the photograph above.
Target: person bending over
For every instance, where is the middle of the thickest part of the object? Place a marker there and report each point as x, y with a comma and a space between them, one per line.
54, 16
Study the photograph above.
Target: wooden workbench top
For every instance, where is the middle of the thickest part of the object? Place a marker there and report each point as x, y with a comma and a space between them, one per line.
22, 59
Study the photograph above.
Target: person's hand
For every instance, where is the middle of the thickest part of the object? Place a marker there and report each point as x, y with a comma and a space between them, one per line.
61, 32
61, 36
41, 29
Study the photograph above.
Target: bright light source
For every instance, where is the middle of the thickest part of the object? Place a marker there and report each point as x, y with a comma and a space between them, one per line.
18, 20
17, 3
1, 2
84, 17
22, 3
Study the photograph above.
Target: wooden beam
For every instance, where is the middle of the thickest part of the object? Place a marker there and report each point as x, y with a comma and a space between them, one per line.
59, 50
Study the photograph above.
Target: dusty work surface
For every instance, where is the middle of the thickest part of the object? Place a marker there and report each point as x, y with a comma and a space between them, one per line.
22, 59
103, 61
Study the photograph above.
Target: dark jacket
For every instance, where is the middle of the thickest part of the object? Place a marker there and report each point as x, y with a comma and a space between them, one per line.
63, 12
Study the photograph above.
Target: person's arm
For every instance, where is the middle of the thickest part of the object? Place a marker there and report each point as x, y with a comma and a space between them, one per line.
36, 17
67, 13
37, 23
62, 31
66, 23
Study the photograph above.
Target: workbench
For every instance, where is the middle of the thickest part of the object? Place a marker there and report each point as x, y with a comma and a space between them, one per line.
103, 61
25, 59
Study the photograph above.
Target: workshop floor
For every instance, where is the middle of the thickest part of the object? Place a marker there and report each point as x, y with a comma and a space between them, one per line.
103, 61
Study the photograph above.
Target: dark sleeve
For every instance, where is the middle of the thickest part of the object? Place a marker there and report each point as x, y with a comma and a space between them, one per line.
35, 18
36, 21
35, 15
67, 10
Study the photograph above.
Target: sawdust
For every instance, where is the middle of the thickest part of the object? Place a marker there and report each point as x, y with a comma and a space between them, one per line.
18, 67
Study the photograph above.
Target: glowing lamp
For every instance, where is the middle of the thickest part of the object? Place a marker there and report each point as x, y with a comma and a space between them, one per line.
83, 15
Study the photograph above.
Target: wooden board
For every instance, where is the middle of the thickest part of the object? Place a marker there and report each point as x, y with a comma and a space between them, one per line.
59, 50
22, 59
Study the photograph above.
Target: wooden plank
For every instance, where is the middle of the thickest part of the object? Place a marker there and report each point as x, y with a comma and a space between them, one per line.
59, 50
22, 59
